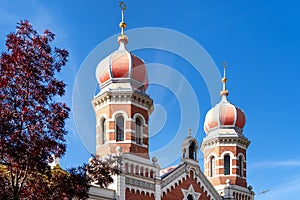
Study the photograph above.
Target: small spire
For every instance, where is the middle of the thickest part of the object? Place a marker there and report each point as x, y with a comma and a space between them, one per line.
224, 80
122, 24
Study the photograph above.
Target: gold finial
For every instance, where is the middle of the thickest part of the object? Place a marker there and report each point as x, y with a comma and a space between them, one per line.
224, 80
122, 24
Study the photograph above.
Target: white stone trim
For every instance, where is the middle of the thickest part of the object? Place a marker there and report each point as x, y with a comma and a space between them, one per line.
241, 154
129, 65
101, 117
136, 159
140, 189
106, 103
234, 188
120, 112
190, 191
183, 173
139, 115
227, 152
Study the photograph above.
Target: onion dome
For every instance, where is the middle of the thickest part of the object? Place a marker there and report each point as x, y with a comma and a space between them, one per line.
224, 114
122, 66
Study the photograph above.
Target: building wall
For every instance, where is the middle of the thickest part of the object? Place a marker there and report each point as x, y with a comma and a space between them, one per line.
131, 195
220, 178
176, 193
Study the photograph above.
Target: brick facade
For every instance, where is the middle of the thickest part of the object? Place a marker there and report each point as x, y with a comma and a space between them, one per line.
132, 195
176, 193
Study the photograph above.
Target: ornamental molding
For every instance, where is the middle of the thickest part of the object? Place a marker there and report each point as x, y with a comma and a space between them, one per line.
119, 81
225, 141
123, 96
174, 176
138, 184
190, 191
235, 188
133, 159
181, 173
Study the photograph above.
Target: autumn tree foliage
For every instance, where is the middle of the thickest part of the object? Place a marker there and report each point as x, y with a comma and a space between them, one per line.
58, 184
32, 124
100, 171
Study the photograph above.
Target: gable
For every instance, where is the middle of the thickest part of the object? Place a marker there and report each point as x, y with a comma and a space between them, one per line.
185, 180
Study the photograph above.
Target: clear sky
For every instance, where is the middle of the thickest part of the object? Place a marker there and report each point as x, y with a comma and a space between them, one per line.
258, 39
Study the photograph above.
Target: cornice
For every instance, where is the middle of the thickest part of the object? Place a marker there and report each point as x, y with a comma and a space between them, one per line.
224, 140
123, 96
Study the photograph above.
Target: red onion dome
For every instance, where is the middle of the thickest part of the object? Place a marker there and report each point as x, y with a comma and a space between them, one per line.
123, 66
224, 114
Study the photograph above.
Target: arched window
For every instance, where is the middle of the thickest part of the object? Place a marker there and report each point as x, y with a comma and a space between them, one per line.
184, 153
103, 131
190, 197
192, 150
138, 131
226, 165
212, 166
120, 128
241, 166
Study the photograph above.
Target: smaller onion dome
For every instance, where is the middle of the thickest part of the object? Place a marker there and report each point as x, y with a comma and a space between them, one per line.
123, 66
224, 114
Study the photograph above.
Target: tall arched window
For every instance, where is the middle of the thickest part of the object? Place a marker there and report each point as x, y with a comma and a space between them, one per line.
120, 128
138, 131
226, 165
103, 131
190, 197
192, 151
212, 166
241, 166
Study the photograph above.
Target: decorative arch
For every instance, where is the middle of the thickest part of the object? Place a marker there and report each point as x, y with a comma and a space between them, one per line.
241, 154
193, 147
227, 152
127, 170
212, 166
102, 130
190, 197
120, 112
192, 173
99, 118
141, 116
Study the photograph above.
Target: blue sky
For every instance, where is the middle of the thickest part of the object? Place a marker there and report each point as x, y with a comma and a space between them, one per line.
258, 39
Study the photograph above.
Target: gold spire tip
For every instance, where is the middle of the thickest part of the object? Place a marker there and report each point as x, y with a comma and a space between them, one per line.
122, 24
224, 80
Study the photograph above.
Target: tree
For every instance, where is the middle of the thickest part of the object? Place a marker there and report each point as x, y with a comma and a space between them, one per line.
58, 184
31, 122
101, 170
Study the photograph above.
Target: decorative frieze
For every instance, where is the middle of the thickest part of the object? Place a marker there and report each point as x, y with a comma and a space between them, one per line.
139, 183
